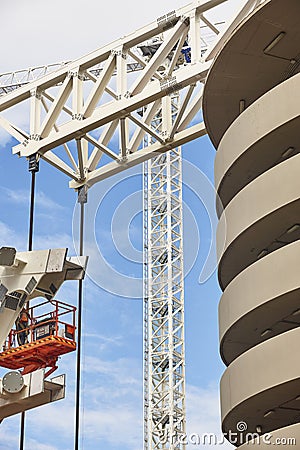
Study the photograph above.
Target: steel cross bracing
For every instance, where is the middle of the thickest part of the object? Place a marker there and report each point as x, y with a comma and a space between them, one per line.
93, 131
10, 81
164, 380
164, 391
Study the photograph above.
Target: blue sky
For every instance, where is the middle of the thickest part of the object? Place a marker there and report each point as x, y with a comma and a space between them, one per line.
113, 339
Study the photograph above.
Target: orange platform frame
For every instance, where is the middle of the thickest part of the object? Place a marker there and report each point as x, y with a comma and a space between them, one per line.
48, 337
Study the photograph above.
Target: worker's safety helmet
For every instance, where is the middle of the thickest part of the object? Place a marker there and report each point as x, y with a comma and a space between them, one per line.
23, 317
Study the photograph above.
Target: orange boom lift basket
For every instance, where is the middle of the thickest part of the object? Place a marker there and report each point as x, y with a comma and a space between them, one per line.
48, 334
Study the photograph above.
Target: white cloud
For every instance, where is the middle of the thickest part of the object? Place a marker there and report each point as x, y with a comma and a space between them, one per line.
36, 445
119, 426
107, 276
116, 424
8, 237
111, 407
69, 29
8, 435
102, 342
203, 412
5, 137
123, 370
111, 415
57, 240
20, 196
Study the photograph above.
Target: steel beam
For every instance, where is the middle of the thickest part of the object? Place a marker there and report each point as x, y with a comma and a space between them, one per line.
36, 392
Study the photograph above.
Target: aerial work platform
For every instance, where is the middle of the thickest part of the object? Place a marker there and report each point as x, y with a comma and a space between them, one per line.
47, 333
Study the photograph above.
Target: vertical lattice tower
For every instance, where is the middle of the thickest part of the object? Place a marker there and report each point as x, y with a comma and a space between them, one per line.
164, 377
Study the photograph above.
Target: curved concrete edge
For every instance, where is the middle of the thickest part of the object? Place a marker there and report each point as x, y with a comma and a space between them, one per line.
274, 317
261, 197
261, 380
288, 437
242, 71
259, 297
247, 132
218, 61
257, 216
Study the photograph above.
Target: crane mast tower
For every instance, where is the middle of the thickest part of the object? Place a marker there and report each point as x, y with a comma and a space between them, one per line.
164, 377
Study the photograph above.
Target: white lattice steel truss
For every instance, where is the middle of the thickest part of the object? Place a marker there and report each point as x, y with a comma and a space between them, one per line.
84, 118
94, 101
164, 418
118, 80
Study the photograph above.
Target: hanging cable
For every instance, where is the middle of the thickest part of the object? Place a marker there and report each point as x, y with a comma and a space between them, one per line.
33, 168
82, 200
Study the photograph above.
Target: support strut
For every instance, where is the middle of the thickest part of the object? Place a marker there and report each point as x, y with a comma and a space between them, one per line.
33, 168
82, 200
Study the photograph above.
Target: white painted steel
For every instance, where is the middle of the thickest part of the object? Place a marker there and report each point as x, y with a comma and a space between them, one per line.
36, 392
119, 81
164, 368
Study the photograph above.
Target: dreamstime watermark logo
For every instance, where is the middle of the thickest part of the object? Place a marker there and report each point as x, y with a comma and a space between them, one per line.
241, 426
240, 436
112, 209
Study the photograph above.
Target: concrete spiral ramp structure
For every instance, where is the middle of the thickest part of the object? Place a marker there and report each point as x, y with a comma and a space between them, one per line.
251, 109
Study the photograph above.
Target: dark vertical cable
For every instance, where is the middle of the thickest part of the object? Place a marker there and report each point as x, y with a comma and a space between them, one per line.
82, 199
33, 168
31, 221
22, 431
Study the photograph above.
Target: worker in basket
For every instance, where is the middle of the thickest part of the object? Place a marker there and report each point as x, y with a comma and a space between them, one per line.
22, 324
